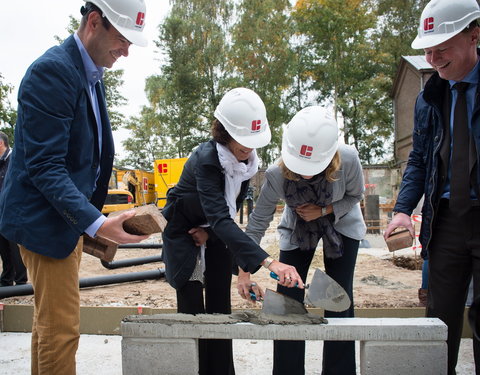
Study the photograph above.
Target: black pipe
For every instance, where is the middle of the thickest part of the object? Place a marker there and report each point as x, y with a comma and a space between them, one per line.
131, 262
141, 246
27, 289
122, 278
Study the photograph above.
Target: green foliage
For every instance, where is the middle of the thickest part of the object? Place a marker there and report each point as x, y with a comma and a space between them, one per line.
346, 70
263, 60
342, 54
184, 96
8, 116
144, 139
113, 80
397, 23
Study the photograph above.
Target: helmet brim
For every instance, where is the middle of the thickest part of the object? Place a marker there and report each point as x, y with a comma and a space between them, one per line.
306, 167
134, 37
429, 41
253, 141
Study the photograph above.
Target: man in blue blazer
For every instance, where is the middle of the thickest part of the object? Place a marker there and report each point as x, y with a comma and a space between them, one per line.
59, 171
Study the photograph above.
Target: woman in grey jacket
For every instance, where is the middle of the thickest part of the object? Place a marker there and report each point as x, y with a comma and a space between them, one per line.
322, 184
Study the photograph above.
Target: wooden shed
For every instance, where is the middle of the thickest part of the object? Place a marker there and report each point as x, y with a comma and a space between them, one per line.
412, 74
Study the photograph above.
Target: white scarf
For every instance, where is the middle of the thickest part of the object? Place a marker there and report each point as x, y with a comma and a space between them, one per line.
235, 173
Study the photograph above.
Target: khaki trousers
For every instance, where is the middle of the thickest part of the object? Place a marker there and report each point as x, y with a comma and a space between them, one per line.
56, 316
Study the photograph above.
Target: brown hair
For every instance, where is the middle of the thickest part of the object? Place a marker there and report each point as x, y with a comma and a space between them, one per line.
88, 8
219, 134
330, 171
470, 26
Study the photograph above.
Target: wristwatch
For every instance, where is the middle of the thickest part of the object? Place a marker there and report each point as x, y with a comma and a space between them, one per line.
324, 211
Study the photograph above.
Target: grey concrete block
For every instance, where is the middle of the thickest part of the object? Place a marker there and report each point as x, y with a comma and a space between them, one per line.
294, 327
403, 358
149, 356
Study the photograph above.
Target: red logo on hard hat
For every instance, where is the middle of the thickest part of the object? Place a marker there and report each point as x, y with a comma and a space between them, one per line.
428, 24
140, 19
256, 125
306, 151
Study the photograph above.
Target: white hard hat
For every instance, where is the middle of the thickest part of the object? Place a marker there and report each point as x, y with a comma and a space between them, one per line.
244, 117
127, 16
310, 141
443, 19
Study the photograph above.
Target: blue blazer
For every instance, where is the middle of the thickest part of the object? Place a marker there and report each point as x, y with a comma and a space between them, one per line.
51, 194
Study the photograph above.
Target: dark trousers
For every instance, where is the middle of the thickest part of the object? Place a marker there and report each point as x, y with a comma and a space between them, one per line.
13, 268
454, 257
338, 356
215, 356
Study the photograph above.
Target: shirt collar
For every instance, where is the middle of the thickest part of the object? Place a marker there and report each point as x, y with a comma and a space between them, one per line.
471, 77
94, 73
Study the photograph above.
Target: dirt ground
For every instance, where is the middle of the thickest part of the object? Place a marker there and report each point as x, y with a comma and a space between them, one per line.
378, 281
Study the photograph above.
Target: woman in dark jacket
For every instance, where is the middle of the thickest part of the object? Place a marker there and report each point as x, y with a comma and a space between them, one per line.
201, 242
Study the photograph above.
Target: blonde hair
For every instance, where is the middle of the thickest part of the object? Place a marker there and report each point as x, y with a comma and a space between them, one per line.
330, 171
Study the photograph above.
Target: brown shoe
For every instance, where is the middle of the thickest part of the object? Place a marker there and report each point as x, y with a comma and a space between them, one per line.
422, 297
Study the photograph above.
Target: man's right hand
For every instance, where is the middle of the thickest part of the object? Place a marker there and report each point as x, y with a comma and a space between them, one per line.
400, 220
112, 229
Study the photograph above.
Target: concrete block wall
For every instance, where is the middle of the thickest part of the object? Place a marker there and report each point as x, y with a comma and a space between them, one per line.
168, 343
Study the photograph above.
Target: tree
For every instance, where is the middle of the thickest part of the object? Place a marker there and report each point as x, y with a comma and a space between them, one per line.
263, 60
344, 65
8, 116
397, 24
144, 139
185, 94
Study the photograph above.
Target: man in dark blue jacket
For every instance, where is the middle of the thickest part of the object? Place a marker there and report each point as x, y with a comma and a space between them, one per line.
444, 165
14, 270
58, 177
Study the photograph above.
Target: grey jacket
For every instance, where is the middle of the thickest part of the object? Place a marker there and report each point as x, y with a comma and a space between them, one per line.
348, 190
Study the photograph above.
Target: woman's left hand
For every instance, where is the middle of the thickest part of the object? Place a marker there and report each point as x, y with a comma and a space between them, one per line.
245, 285
309, 211
199, 235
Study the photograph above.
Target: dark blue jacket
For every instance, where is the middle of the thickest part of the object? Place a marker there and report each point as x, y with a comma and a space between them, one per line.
4, 160
198, 199
49, 197
423, 174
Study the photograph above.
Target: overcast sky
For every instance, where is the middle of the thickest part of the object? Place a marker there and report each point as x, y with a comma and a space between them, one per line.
28, 27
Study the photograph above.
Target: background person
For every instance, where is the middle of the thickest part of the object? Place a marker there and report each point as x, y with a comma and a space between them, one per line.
322, 184
201, 242
14, 270
444, 165
58, 176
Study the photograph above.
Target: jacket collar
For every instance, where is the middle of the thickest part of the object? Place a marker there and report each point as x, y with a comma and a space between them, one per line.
71, 48
6, 154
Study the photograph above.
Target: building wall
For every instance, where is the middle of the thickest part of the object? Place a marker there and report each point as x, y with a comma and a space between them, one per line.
412, 82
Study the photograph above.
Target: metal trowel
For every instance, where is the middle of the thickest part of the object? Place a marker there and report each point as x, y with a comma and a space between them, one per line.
322, 292
279, 304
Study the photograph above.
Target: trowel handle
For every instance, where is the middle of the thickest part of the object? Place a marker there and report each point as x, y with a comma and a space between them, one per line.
273, 275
